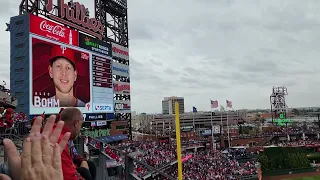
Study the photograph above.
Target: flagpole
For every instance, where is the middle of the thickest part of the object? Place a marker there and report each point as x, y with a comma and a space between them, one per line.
194, 126
156, 128
221, 130
212, 128
228, 125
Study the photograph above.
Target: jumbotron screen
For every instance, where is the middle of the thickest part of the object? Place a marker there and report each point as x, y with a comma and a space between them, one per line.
68, 69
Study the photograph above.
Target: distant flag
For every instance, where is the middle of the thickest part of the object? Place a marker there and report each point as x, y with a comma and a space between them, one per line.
229, 104
221, 108
194, 109
214, 104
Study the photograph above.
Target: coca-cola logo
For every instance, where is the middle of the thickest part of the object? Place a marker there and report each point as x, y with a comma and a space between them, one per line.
122, 87
53, 29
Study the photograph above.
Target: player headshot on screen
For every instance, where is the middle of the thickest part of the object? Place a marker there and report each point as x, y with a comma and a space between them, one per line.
63, 72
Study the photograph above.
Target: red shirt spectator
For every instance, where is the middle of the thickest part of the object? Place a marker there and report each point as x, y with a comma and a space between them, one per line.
8, 117
68, 167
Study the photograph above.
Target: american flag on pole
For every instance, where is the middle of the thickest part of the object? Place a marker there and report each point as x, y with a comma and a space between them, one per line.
214, 104
229, 104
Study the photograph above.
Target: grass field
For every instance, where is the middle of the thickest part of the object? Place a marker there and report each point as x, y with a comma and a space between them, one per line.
306, 178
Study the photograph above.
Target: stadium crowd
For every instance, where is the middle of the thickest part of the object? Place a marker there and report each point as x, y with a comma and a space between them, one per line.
203, 164
9, 118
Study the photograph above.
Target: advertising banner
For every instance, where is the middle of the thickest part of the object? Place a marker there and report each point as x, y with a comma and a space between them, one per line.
101, 123
95, 45
120, 51
51, 30
96, 133
121, 87
60, 77
120, 69
122, 106
95, 116
216, 129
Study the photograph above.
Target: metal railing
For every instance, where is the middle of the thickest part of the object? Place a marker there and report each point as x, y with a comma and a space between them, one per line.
19, 129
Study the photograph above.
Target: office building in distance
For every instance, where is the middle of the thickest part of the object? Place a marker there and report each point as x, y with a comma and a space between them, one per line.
168, 105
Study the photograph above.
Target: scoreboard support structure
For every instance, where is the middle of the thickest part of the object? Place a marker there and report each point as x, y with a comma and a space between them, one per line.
114, 17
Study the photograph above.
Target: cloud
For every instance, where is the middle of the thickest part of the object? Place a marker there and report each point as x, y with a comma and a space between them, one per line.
228, 49
223, 49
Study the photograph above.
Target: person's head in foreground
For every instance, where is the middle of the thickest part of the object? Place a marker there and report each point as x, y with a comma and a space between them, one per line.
73, 119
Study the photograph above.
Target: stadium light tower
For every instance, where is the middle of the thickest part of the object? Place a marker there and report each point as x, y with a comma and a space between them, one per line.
278, 102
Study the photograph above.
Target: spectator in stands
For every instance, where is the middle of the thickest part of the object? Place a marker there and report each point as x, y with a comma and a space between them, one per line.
73, 119
2, 120
78, 159
1, 111
40, 165
9, 118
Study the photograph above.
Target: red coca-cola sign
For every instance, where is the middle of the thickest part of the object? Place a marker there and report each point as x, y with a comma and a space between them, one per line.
51, 30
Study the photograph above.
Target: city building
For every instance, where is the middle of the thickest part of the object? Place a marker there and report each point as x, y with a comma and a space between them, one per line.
168, 105
165, 124
141, 121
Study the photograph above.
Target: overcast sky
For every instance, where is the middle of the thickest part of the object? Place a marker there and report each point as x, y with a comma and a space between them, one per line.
215, 49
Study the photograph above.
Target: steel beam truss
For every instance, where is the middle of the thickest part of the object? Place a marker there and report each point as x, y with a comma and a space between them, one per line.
113, 15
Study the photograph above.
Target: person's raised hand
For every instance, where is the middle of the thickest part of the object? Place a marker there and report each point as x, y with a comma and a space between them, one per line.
50, 138
4, 177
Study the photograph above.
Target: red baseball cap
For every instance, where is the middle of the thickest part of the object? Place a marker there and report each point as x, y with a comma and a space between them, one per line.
63, 52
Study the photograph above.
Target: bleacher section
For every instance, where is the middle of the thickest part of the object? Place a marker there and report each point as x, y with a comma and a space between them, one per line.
267, 139
6, 99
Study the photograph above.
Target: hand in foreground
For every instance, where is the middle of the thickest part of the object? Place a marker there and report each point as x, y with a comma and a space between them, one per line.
4, 177
40, 159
